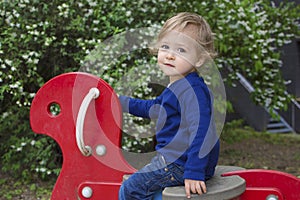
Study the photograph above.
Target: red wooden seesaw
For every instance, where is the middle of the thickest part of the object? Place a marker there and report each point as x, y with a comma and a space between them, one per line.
88, 131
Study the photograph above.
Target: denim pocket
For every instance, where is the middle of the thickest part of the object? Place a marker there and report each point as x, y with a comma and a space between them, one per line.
177, 173
170, 175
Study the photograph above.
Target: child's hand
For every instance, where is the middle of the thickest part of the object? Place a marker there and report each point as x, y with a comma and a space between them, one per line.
195, 186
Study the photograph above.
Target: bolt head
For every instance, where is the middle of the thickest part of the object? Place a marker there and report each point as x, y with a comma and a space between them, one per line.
272, 197
87, 192
101, 150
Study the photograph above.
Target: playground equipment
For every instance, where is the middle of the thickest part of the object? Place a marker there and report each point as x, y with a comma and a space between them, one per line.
87, 127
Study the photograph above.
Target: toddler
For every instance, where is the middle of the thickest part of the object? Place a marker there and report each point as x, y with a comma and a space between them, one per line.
183, 111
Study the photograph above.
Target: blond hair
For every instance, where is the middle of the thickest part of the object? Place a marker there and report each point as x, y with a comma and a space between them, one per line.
182, 20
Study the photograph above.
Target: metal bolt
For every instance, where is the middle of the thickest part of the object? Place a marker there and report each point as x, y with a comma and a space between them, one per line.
87, 192
87, 151
272, 197
101, 150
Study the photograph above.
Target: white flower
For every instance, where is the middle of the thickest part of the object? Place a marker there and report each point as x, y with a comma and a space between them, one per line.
19, 149
8, 62
128, 13
277, 25
42, 169
32, 142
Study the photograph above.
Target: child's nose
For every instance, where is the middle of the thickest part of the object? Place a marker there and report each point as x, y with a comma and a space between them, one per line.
170, 55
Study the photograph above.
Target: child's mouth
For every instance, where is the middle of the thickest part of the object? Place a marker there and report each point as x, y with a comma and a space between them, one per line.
169, 65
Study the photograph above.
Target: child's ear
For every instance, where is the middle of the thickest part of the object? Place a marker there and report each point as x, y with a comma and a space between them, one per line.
200, 62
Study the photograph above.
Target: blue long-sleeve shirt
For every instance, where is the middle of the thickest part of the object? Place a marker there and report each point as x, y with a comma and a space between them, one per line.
185, 129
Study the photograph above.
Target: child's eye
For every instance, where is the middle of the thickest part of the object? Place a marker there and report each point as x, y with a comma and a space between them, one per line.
181, 50
164, 46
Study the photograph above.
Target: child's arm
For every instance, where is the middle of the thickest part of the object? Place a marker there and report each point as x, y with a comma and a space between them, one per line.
198, 111
139, 107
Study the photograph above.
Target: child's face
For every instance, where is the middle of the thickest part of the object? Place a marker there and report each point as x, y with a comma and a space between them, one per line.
178, 54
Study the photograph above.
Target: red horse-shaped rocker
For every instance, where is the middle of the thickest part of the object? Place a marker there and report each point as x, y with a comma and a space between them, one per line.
87, 128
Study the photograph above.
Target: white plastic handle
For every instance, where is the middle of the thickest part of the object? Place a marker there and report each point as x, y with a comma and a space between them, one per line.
93, 94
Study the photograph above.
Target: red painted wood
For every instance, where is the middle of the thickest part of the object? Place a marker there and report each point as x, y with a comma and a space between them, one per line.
262, 183
102, 127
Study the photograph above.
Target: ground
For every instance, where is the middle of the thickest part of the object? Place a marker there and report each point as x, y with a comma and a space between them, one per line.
239, 147
261, 150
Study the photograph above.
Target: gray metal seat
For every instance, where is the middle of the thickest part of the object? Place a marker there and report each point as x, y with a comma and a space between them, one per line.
218, 187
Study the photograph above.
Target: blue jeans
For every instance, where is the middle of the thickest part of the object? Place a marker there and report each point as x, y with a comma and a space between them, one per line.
149, 182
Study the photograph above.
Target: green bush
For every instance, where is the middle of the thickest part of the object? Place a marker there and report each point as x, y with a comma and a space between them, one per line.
40, 40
